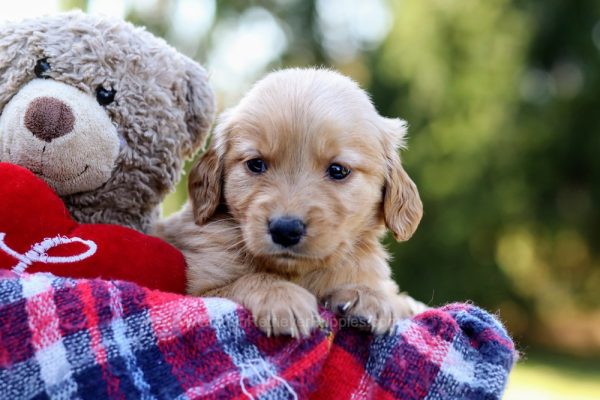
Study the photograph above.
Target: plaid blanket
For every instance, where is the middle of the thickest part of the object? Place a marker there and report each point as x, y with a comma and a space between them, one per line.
65, 338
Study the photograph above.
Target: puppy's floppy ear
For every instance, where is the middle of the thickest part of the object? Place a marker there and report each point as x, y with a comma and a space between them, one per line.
199, 106
402, 207
205, 182
204, 185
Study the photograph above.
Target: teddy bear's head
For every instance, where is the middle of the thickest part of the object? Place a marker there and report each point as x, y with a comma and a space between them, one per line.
101, 110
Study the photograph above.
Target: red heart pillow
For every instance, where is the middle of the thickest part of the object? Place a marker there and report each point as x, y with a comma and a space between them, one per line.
38, 234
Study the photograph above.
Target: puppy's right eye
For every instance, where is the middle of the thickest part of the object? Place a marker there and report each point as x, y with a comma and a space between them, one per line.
338, 172
256, 165
41, 67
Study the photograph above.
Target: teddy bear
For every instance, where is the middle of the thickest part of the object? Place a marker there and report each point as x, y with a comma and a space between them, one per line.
104, 112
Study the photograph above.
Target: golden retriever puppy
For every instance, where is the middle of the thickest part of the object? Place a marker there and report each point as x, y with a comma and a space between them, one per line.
289, 202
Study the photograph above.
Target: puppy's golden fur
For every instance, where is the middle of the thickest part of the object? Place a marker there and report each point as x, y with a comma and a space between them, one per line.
299, 122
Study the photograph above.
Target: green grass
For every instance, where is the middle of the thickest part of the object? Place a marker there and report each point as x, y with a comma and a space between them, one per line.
548, 377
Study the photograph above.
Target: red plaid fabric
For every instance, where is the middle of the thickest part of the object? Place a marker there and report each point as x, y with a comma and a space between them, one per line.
67, 338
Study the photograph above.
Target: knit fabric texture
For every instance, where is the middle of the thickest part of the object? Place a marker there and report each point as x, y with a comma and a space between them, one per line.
76, 338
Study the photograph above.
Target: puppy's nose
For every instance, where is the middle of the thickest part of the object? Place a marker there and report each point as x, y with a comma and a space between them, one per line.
287, 231
49, 118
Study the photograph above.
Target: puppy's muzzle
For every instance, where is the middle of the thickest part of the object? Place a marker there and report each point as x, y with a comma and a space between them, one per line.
287, 231
48, 118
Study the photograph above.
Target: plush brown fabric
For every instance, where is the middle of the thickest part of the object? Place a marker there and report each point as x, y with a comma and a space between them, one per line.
130, 152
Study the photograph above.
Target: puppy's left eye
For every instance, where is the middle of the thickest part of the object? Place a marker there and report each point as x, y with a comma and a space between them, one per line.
256, 165
338, 172
105, 96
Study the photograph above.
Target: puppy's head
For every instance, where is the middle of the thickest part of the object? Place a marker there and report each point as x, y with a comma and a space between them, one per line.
308, 168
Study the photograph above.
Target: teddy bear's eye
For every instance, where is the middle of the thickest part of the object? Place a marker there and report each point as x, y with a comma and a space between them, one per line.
41, 68
105, 96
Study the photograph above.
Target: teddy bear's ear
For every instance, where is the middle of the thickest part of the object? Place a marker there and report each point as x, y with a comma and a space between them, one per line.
200, 106
15, 61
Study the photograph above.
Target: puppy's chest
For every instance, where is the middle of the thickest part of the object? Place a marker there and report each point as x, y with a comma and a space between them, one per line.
317, 282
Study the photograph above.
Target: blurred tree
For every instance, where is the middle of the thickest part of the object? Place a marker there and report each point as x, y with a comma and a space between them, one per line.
501, 98
452, 76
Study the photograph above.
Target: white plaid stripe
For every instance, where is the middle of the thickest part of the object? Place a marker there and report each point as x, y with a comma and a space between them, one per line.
123, 343
56, 371
461, 368
254, 369
36, 284
50, 352
456, 366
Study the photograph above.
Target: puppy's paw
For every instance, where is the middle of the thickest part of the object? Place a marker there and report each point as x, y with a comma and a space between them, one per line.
365, 308
408, 307
287, 309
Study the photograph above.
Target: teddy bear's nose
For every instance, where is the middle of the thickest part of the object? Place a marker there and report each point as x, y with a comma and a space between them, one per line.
49, 118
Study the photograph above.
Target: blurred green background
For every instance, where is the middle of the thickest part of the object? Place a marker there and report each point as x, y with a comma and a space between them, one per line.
503, 102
